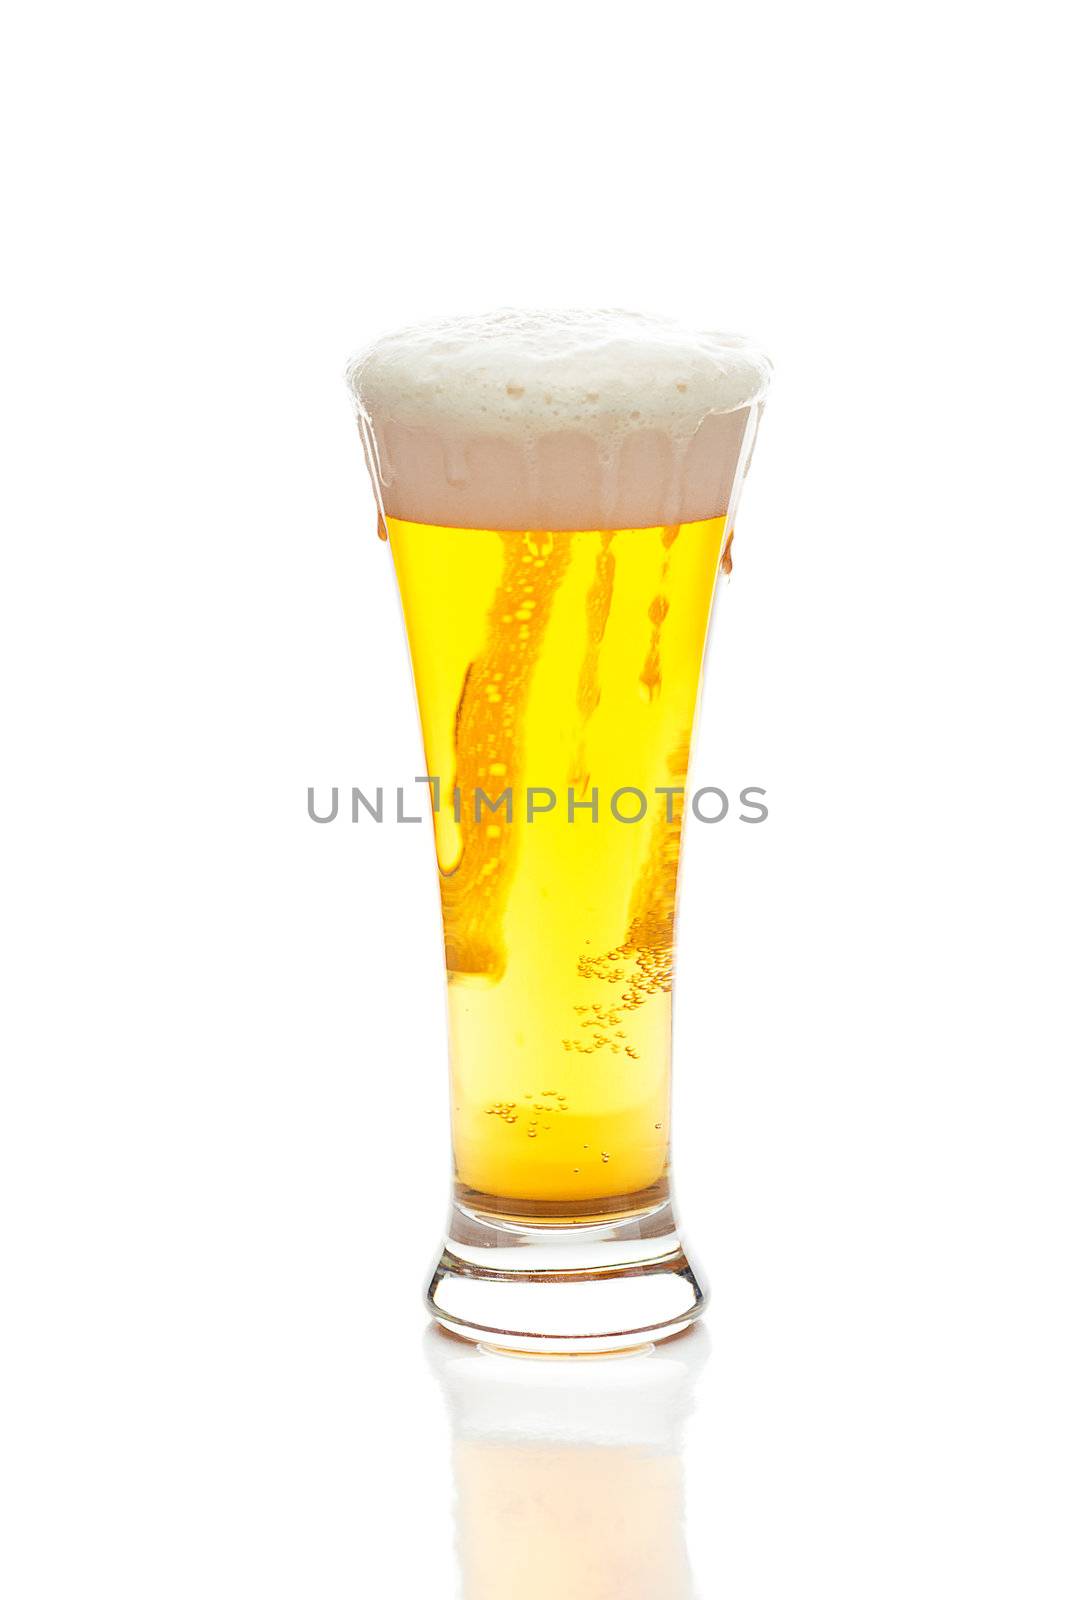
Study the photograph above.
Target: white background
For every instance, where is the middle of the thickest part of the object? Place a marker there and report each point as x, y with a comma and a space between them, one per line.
220, 1021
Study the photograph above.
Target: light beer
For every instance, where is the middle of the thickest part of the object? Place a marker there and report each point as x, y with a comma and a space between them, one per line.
563, 665
556, 490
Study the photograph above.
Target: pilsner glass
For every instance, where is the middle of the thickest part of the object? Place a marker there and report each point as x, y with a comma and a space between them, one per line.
558, 491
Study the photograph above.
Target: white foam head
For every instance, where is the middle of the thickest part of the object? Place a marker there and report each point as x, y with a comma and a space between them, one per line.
556, 419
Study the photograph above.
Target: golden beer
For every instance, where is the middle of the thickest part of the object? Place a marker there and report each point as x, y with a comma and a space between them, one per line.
566, 665
558, 490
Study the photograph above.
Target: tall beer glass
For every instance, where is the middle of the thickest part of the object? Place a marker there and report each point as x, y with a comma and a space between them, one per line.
558, 490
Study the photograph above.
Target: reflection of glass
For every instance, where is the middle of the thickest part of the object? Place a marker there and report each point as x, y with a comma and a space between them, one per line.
558, 494
568, 1475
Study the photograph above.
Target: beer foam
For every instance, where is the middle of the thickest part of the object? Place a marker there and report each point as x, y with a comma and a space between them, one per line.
557, 419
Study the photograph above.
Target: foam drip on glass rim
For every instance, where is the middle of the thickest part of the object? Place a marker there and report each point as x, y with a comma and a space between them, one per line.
556, 419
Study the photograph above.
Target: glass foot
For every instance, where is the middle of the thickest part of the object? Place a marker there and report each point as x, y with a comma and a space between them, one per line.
564, 1289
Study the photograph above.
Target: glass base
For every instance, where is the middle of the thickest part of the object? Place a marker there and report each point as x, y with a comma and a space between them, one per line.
564, 1289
